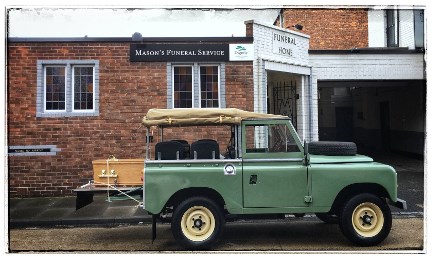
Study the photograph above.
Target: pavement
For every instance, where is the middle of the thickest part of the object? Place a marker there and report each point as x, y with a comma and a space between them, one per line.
53, 211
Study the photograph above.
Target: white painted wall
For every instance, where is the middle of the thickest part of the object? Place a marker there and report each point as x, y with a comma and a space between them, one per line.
267, 58
367, 66
361, 67
376, 28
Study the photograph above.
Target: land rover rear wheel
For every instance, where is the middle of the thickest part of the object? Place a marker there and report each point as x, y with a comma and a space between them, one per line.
197, 223
366, 220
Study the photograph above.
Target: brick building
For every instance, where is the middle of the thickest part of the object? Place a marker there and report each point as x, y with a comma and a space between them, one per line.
331, 29
74, 100
71, 101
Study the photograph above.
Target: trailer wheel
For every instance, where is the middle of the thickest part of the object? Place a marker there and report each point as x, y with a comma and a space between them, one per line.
366, 220
197, 223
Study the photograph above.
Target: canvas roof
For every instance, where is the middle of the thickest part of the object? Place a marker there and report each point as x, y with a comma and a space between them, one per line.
201, 116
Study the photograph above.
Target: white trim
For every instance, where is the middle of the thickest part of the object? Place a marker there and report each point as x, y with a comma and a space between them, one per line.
73, 89
45, 89
303, 108
199, 83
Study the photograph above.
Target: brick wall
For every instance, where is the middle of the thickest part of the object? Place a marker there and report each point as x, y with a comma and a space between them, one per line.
331, 28
127, 91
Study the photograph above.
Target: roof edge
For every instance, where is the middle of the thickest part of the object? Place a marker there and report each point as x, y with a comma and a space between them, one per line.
126, 39
383, 50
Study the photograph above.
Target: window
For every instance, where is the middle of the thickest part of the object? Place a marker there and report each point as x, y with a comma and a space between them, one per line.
196, 86
55, 88
274, 138
419, 29
83, 88
67, 88
209, 86
183, 90
392, 18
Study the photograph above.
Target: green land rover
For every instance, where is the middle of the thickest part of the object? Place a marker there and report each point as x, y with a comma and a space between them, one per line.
265, 170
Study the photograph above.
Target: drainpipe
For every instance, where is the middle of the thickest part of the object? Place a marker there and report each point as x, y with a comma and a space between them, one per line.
258, 86
310, 105
281, 19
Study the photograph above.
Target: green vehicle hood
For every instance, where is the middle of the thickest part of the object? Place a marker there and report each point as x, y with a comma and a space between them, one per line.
320, 159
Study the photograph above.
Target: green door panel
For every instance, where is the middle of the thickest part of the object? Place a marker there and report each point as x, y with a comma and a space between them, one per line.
273, 172
276, 184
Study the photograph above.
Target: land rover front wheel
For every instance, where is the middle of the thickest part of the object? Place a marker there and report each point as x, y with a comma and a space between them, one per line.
197, 222
366, 220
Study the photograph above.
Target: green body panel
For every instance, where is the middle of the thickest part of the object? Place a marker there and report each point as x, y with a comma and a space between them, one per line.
162, 180
328, 179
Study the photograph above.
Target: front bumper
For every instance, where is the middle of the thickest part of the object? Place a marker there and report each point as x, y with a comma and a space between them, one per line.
401, 204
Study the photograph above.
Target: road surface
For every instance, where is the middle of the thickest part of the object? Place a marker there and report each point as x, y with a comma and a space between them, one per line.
277, 235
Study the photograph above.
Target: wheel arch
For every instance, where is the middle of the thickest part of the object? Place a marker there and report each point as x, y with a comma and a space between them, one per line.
355, 189
206, 192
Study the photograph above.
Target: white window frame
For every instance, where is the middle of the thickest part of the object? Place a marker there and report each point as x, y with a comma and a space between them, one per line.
41, 66
172, 85
199, 83
73, 89
45, 89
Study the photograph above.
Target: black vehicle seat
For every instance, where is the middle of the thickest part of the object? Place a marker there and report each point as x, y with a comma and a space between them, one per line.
186, 146
169, 150
205, 149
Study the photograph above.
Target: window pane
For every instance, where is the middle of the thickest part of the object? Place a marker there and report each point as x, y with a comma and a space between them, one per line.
182, 87
270, 139
55, 88
83, 88
209, 78
419, 28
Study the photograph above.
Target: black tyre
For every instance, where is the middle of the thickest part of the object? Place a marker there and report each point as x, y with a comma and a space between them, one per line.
330, 148
366, 220
197, 223
328, 218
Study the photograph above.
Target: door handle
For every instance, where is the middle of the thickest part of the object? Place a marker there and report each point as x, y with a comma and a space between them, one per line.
253, 179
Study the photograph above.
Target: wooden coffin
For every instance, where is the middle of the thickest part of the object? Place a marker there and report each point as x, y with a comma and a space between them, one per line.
118, 172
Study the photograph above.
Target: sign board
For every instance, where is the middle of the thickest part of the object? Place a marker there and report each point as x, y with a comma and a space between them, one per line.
175, 52
241, 52
284, 44
37, 150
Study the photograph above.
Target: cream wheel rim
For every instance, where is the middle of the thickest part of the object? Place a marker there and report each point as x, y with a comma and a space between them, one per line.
368, 219
198, 223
